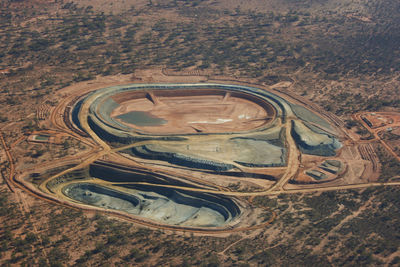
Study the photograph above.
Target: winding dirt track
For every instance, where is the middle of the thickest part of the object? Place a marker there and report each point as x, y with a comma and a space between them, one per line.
376, 131
11, 184
169, 227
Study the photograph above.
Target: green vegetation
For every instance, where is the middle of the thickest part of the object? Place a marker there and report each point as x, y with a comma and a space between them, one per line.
321, 229
344, 64
252, 43
390, 165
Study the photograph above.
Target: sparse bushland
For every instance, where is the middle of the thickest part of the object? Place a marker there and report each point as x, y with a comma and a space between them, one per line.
77, 43
390, 165
313, 229
344, 64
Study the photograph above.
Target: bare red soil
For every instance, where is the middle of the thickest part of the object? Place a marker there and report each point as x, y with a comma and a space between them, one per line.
191, 112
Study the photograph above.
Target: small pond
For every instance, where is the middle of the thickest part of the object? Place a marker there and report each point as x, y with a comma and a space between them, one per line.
141, 118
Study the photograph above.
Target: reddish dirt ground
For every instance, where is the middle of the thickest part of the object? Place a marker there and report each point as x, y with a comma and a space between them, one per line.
191, 113
381, 119
381, 122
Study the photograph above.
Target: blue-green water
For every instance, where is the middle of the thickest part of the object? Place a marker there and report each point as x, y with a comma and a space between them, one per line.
141, 118
42, 137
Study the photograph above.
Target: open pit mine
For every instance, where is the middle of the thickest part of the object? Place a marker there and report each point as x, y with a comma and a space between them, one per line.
191, 157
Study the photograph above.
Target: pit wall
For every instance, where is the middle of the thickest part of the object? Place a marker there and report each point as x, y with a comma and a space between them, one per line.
120, 174
123, 138
117, 173
147, 152
105, 124
112, 131
179, 159
224, 205
228, 207
165, 205
112, 173
101, 189
76, 175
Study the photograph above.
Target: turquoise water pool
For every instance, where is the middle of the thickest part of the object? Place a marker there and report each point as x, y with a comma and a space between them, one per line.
141, 118
42, 137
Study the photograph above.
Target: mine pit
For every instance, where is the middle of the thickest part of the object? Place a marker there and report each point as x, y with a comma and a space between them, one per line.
190, 111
